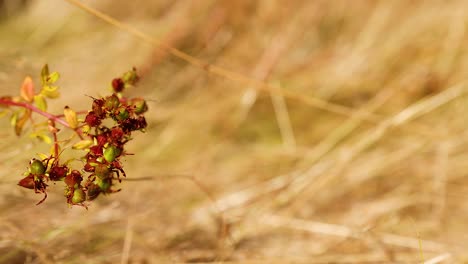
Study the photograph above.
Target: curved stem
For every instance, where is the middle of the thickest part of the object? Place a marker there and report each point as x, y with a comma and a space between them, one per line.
7, 101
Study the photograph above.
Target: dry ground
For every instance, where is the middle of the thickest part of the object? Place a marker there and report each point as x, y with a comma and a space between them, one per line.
362, 159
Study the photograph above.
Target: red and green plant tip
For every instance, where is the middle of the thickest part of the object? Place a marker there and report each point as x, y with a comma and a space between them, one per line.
103, 145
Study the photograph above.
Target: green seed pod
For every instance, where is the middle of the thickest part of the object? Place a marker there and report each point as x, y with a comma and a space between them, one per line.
101, 171
37, 167
93, 191
112, 102
79, 196
123, 114
111, 153
130, 77
140, 105
104, 184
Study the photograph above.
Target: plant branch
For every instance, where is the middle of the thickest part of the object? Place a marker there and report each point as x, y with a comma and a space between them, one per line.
9, 102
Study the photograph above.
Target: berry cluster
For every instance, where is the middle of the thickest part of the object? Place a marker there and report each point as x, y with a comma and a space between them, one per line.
104, 131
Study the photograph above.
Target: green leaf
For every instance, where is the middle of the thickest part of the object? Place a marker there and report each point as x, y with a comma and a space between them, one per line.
40, 102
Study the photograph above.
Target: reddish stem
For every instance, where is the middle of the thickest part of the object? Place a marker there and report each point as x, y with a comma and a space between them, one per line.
78, 113
56, 145
6, 101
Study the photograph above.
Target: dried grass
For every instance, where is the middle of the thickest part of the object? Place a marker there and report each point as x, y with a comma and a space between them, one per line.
312, 132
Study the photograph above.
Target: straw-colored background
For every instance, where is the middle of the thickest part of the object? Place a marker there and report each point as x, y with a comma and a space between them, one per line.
229, 173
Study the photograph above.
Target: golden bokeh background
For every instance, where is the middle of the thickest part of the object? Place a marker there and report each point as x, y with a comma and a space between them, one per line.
353, 150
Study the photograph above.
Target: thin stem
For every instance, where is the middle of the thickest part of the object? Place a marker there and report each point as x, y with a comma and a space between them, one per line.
6, 101
84, 112
54, 133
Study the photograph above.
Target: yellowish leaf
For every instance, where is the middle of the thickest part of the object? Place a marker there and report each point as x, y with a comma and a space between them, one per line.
83, 144
42, 156
50, 91
53, 77
70, 116
85, 129
14, 118
27, 89
40, 102
41, 136
21, 122
3, 113
44, 74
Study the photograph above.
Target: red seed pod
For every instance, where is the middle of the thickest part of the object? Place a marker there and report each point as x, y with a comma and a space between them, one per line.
92, 119
57, 173
142, 122
117, 134
90, 159
73, 178
132, 124
118, 85
101, 139
88, 168
27, 182
97, 107
96, 150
